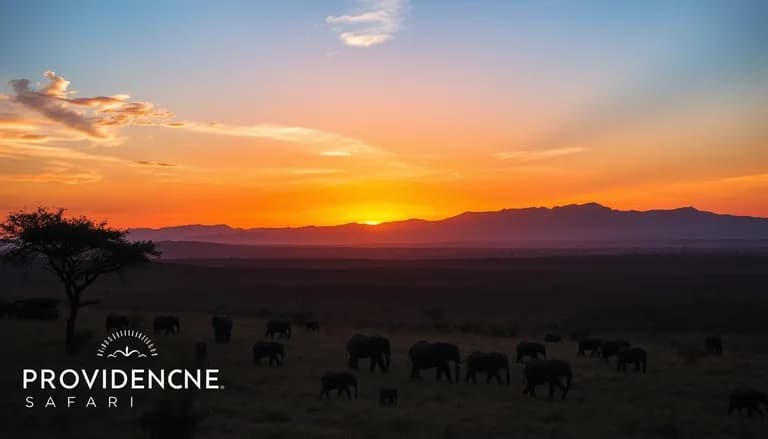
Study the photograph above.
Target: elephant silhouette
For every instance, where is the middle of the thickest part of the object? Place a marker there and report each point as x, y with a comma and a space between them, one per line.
388, 396
637, 356
612, 348
713, 345
490, 363
222, 328
593, 345
530, 349
538, 372
166, 324
116, 322
374, 347
269, 349
426, 355
339, 381
747, 399
279, 328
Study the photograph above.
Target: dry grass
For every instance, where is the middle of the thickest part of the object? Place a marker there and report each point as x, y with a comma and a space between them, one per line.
675, 399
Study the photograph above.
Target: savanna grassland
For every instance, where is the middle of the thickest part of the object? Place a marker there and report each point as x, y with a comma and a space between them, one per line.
666, 305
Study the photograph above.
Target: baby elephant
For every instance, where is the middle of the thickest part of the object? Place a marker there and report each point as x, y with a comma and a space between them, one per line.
166, 324
222, 328
528, 349
748, 399
117, 322
270, 349
279, 328
633, 355
201, 352
388, 396
490, 363
713, 345
339, 381
592, 345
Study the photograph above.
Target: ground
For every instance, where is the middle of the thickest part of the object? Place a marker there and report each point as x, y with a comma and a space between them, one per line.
683, 395
664, 303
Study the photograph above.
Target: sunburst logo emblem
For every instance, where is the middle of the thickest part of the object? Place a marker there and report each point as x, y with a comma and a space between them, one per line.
127, 343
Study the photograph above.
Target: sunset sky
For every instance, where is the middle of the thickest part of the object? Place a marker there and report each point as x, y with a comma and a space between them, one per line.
153, 113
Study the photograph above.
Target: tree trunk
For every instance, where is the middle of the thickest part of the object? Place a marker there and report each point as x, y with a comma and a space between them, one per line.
74, 307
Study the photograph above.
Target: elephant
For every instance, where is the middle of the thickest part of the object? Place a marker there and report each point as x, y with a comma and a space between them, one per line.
747, 399
222, 328
638, 356
339, 381
37, 309
547, 372
374, 347
613, 347
530, 349
312, 326
201, 352
553, 338
270, 349
589, 344
7, 309
713, 345
426, 355
388, 396
488, 362
168, 324
116, 322
279, 328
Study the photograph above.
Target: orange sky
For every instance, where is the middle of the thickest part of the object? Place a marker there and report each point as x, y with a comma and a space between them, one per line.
404, 118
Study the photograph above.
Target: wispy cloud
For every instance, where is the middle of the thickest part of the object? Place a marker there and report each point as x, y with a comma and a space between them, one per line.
321, 140
93, 116
537, 154
373, 22
98, 118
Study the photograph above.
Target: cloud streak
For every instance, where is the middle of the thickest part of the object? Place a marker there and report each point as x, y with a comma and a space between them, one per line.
374, 22
537, 154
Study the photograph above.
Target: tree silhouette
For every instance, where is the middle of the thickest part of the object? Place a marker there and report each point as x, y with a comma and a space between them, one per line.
77, 250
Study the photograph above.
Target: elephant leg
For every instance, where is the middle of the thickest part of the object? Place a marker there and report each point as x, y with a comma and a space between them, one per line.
498, 377
349, 393
415, 374
551, 388
448, 373
760, 412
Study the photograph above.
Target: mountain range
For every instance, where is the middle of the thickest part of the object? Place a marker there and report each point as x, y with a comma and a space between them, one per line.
564, 226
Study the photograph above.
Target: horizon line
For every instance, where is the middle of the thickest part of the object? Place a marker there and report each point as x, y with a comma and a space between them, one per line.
378, 224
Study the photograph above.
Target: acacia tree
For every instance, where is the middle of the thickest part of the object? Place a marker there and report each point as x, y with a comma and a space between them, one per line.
77, 250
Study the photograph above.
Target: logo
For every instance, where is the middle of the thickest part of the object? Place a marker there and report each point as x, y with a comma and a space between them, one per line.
113, 386
127, 343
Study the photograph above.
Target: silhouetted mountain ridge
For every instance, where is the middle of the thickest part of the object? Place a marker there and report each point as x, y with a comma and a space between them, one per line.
584, 224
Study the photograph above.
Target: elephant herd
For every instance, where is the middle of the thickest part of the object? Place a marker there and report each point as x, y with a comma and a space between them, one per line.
423, 355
